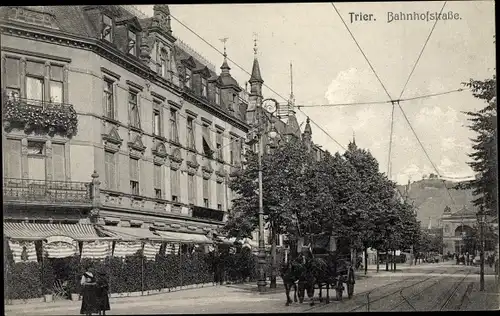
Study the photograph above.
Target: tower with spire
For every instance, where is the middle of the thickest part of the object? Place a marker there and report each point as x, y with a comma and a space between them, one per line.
255, 96
229, 86
307, 135
288, 114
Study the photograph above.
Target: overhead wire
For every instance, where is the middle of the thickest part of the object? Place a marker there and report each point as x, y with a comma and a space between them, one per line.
404, 114
361, 50
382, 102
244, 70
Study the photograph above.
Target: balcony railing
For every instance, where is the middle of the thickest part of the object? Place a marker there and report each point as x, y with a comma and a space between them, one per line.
48, 192
207, 213
40, 116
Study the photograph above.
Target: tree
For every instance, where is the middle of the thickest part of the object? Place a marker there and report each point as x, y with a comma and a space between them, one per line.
283, 190
484, 156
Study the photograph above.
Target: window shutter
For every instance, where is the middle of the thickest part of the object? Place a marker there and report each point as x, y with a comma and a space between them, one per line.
134, 165
205, 189
174, 179
58, 162
13, 158
12, 72
157, 176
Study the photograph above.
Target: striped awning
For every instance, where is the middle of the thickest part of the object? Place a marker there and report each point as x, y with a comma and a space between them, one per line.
184, 237
128, 233
40, 231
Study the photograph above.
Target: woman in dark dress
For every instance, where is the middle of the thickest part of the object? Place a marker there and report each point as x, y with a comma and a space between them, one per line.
89, 291
102, 293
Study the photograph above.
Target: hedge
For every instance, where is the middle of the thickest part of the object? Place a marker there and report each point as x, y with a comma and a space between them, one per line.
130, 274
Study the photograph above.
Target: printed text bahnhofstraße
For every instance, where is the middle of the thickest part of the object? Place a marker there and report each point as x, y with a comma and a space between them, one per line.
421, 16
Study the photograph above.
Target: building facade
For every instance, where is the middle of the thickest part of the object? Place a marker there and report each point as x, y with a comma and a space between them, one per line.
108, 121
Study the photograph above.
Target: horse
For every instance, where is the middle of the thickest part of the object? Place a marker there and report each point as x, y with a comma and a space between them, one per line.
290, 272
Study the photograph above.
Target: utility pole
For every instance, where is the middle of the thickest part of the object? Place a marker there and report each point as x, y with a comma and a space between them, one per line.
261, 284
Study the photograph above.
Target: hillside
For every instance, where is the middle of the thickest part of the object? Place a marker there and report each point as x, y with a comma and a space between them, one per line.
430, 198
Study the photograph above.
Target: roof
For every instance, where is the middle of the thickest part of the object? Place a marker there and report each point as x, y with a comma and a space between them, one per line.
128, 233
256, 76
184, 237
40, 231
464, 211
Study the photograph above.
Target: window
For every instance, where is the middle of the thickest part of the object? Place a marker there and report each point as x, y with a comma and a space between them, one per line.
156, 122
174, 135
157, 181
134, 176
107, 27
34, 88
220, 195
164, 63
206, 141
188, 78
219, 142
191, 189
109, 106
56, 84
36, 160
204, 87
217, 95
132, 43
134, 110
231, 150
190, 133
206, 193
235, 99
109, 166
174, 180
11, 78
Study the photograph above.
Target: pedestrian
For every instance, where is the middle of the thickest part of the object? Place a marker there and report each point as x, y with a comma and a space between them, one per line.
102, 293
89, 301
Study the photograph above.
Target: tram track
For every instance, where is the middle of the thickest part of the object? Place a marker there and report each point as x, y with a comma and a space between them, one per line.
453, 291
366, 294
407, 300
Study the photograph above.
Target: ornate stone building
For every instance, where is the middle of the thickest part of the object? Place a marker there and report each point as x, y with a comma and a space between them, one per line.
107, 120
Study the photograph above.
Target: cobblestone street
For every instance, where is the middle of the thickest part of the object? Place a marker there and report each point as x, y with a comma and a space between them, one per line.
428, 287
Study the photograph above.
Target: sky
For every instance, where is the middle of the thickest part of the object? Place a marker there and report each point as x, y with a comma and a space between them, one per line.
329, 68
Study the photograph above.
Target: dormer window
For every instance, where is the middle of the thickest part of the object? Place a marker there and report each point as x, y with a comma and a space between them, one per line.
132, 43
107, 27
204, 87
217, 95
188, 78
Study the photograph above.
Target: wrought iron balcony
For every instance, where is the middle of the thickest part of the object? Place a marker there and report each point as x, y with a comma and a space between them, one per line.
40, 116
44, 192
207, 213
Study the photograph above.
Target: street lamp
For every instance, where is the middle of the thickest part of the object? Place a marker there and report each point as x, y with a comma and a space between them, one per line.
270, 105
481, 218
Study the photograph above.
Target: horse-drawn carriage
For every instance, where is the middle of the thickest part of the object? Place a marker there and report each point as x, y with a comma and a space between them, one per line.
315, 265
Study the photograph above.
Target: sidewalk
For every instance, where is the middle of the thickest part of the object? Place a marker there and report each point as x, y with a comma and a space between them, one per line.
363, 283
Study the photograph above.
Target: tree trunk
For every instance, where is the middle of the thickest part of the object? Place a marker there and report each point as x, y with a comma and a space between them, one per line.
387, 260
378, 262
273, 259
394, 260
366, 261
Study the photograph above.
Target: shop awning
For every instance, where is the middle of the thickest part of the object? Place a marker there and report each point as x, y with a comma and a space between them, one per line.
184, 237
40, 231
129, 233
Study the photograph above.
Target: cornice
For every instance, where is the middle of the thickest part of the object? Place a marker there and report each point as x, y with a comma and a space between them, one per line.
111, 53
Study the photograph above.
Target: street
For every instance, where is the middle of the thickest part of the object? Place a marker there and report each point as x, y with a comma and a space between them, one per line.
427, 287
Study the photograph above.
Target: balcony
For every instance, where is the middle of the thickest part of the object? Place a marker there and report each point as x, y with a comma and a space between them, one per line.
47, 193
38, 116
207, 213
